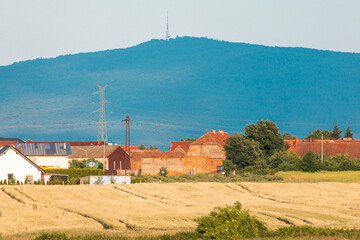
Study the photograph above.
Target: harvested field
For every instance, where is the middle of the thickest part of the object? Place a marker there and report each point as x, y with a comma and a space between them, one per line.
153, 208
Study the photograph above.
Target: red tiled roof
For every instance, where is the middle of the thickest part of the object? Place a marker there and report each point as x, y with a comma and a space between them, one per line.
212, 138
132, 147
331, 147
183, 144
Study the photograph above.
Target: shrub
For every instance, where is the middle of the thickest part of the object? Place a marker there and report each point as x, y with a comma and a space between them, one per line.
341, 162
310, 162
77, 172
283, 157
230, 222
163, 171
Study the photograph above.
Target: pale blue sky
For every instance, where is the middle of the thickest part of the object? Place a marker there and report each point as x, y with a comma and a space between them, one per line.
48, 28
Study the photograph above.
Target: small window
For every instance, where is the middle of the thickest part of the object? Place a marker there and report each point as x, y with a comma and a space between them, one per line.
10, 176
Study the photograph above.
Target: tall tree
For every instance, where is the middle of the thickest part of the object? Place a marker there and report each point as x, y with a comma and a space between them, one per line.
267, 134
243, 152
336, 133
348, 133
288, 136
316, 134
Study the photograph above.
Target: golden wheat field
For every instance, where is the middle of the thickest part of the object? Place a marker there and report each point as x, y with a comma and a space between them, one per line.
152, 208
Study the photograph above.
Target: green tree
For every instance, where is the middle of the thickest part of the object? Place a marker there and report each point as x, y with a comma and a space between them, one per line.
281, 159
316, 134
188, 139
310, 162
336, 133
288, 136
141, 147
241, 151
267, 134
348, 133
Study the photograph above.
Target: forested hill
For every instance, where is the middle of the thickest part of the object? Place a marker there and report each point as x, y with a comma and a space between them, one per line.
181, 88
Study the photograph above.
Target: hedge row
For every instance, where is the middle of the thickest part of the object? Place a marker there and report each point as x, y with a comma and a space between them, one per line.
77, 172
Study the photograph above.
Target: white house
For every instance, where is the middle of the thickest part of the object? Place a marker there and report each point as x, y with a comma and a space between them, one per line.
51, 155
15, 165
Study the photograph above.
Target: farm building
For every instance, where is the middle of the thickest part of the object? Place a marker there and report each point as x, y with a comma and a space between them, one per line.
51, 155
150, 161
206, 153
113, 157
331, 147
16, 166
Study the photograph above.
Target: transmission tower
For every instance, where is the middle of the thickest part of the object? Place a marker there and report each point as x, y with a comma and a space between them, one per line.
127, 121
102, 129
167, 37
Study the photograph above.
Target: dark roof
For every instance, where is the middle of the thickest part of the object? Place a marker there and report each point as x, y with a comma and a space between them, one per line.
40, 149
11, 139
6, 148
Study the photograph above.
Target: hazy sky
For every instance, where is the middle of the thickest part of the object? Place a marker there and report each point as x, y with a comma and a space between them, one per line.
48, 28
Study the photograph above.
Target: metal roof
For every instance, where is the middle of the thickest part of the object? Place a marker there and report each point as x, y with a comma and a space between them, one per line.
39, 149
11, 139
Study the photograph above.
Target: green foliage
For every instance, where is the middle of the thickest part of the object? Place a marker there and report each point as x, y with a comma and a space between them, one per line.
163, 171
316, 134
284, 159
341, 162
288, 136
143, 147
82, 163
267, 134
336, 133
243, 152
229, 166
310, 163
52, 236
188, 139
230, 222
77, 172
243, 177
348, 133
302, 231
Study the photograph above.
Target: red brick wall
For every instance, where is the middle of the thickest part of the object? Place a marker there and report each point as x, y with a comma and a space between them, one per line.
119, 155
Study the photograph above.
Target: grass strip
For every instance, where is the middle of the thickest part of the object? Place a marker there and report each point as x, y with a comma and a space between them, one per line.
12, 196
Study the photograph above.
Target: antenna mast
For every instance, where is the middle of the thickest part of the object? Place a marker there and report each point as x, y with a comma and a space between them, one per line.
102, 129
167, 37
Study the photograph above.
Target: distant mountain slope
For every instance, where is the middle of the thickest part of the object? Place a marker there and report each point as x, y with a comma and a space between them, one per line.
181, 88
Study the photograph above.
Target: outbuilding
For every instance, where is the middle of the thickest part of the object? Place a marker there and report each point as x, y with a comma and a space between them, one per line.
16, 166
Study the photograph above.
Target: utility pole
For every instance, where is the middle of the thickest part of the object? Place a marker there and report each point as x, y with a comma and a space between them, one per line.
102, 129
322, 148
127, 138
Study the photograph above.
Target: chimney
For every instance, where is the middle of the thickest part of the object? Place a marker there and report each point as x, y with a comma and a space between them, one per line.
310, 140
214, 131
64, 146
221, 131
296, 139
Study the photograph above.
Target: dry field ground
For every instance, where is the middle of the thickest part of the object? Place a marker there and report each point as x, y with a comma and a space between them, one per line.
153, 208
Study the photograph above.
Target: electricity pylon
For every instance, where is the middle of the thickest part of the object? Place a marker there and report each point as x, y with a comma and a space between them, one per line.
102, 129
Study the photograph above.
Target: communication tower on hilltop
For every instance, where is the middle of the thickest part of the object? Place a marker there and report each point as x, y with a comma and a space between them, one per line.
167, 37
102, 129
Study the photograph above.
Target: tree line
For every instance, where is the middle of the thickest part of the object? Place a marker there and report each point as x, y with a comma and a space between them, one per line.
262, 149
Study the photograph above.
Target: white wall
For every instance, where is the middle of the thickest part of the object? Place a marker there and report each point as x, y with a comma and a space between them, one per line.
51, 161
11, 162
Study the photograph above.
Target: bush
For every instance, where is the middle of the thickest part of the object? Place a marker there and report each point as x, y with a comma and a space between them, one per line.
230, 222
342, 162
163, 171
77, 172
310, 162
282, 158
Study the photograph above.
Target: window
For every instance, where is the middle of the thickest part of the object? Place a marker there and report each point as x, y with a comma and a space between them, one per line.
10, 176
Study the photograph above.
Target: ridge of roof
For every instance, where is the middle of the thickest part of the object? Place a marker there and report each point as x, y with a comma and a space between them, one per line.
2, 151
212, 137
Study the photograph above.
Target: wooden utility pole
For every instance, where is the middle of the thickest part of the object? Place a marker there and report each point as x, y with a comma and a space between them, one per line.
322, 148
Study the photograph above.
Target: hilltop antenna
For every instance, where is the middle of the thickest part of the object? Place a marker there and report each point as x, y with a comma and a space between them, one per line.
167, 37
102, 129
